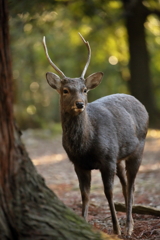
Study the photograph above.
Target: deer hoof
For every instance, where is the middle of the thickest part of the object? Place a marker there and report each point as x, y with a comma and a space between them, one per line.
128, 231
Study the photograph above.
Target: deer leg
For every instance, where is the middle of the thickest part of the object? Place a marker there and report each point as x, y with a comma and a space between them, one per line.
132, 166
130, 193
84, 177
108, 180
121, 173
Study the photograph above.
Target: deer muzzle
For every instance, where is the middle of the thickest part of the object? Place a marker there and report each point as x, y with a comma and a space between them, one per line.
80, 105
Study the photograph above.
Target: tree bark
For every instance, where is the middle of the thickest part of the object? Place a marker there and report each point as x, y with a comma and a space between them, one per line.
28, 209
140, 82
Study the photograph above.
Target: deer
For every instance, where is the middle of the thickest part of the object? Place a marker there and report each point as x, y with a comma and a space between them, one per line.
107, 134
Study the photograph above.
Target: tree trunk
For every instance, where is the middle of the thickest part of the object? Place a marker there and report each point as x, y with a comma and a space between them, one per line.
28, 209
140, 82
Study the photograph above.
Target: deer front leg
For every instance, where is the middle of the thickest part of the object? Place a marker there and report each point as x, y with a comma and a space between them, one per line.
108, 179
84, 177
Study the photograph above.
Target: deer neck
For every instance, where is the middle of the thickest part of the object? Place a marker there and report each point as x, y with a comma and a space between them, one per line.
77, 131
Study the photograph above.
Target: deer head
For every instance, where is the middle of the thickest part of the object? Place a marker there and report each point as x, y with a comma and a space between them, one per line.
73, 91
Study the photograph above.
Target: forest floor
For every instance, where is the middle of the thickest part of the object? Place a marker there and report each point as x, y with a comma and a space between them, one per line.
52, 163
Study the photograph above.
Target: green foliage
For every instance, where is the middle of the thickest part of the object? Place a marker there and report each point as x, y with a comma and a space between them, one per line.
101, 23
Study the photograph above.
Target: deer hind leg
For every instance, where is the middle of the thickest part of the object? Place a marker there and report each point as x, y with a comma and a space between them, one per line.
84, 178
121, 173
108, 180
132, 166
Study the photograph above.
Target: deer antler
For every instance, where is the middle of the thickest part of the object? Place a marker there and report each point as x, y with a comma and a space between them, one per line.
89, 56
50, 61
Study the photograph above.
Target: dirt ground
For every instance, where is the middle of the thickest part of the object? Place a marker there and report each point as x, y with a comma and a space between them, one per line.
52, 163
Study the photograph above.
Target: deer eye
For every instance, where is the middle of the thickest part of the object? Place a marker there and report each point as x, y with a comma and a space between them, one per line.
85, 90
65, 91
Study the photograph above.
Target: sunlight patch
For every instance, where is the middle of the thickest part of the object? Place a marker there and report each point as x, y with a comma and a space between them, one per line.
153, 133
54, 158
149, 167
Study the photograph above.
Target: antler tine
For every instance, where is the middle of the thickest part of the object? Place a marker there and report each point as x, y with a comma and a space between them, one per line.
50, 61
89, 56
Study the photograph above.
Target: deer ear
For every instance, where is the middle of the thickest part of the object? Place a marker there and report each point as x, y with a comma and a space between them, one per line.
93, 80
53, 80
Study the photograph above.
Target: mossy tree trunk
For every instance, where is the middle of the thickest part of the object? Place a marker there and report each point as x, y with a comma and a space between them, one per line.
28, 209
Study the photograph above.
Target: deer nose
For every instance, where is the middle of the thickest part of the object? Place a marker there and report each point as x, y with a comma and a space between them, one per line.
79, 105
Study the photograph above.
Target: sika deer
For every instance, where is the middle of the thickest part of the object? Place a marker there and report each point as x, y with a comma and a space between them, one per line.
101, 135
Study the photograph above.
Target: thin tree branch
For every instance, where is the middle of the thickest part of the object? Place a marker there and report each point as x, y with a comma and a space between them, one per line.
140, 209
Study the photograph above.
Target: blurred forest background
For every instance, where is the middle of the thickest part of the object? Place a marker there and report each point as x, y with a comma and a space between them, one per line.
105, 24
